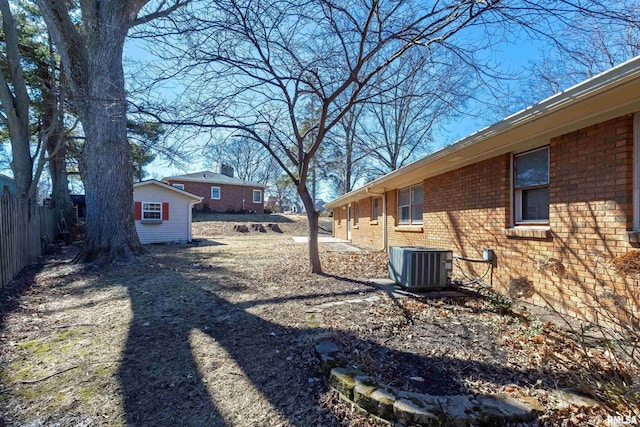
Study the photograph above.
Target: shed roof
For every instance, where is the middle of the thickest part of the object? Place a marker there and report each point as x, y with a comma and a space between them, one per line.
212, 178
164, 185
611, 94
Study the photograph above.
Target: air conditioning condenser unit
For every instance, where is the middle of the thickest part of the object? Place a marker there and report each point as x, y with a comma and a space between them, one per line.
420, 268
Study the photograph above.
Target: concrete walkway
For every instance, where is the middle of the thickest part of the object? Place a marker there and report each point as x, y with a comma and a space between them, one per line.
321, 239
335, 245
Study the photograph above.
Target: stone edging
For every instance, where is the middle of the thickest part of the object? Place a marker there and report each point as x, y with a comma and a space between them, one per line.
408, 408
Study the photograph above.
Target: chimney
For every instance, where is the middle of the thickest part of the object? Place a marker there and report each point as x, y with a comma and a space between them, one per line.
226, 170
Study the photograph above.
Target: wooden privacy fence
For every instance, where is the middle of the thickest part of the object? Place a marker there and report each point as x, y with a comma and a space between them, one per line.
24, 231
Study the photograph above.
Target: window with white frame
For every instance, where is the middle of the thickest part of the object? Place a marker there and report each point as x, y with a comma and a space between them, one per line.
410, 205
531, 186
257, 196
179, 186
151, 211
375, 208
215, 193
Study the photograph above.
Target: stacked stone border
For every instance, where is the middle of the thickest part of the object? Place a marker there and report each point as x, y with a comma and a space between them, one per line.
407, 408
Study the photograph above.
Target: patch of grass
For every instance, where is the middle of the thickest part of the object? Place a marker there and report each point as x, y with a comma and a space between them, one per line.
63, 341
89, 393
17, 371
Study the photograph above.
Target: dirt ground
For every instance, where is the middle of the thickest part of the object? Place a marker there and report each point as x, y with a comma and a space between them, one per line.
215, 333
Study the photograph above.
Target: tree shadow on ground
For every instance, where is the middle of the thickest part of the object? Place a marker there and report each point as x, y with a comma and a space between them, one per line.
165, 383
10, 294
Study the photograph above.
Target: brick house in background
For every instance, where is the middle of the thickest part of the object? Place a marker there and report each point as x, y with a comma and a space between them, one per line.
221, 192
554, 190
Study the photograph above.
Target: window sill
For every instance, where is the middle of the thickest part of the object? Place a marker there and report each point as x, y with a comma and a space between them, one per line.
151, 221
409, 228
528, 232
375, 222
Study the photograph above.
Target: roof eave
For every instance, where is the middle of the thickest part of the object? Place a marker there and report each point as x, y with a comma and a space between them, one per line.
608, 80
195, 198
213, 181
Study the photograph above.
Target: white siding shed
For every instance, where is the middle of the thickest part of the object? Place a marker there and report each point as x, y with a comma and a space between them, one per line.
162, 213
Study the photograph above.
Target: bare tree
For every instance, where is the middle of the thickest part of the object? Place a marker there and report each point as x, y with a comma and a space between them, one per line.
425, 91
582, 55
249, 159
346, 153
255, 66
267, 61
90, 44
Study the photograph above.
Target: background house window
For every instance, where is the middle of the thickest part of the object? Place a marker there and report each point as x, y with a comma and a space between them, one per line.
410, 205
531, 186
375, 209
151, 211
257, 196
215, 193
179, 186
356, 215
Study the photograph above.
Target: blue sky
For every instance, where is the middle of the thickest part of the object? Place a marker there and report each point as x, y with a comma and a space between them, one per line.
512, 57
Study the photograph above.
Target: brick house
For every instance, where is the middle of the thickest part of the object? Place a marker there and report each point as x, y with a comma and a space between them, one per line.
554, 190
221, 192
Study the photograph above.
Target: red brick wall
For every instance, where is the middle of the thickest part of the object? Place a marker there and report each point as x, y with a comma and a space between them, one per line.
230, 196
340, 222
590, 198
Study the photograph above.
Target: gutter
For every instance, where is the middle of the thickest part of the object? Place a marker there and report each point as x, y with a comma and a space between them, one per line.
615, 76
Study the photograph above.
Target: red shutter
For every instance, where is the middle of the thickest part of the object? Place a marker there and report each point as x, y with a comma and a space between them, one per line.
137, 211
165, 211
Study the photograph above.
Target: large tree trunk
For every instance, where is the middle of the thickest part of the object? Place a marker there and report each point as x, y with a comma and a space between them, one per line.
21, 162
106, 164
312, 217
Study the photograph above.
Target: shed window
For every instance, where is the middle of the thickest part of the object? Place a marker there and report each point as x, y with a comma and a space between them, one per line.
257, 196
531, 186
410, 205
215, 193
151, 211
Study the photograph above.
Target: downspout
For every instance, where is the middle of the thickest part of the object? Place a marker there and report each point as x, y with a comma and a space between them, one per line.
384, 220
384, 215
190, 223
